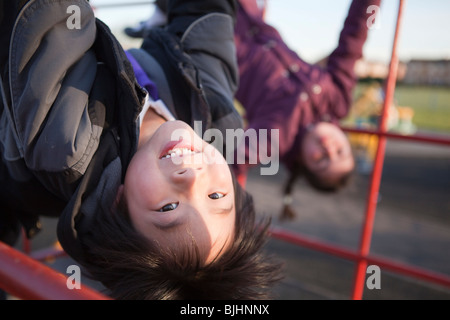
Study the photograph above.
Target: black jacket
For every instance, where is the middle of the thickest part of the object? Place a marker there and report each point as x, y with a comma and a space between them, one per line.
68, 117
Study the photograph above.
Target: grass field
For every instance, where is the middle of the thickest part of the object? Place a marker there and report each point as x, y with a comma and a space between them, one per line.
431, 105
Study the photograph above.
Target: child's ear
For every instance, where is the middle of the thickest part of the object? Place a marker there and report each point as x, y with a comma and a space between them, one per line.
119, 196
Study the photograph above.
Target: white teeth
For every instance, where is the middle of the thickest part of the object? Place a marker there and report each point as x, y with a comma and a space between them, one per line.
178, 152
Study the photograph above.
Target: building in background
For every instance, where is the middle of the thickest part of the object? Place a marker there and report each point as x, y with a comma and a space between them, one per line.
428, 72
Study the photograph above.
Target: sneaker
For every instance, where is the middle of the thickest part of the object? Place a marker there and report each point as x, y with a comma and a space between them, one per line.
157, 19
138, 31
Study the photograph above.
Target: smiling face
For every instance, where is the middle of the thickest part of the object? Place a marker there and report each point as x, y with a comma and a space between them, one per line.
326, 152
179, 190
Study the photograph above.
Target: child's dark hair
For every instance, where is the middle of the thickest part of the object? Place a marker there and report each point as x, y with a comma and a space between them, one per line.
299, 170
132, 268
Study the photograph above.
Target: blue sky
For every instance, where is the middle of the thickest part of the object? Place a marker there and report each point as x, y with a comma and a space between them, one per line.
312, 27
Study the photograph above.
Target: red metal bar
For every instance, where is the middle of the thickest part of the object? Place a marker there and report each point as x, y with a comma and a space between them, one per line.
318, 245
47, 253
29, 279
435, 139
366, 235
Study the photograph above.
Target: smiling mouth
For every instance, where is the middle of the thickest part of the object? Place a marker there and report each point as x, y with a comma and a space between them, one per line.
178, 152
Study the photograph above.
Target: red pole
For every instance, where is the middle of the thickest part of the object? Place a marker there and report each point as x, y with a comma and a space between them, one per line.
29, 279
435, 139
361, 266
344, 253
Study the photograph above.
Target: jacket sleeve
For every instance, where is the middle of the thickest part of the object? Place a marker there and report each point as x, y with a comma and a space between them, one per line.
288, 93
331, 88
55, 125
210, 43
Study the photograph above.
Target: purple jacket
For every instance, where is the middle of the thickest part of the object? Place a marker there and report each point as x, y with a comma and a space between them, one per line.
281, 91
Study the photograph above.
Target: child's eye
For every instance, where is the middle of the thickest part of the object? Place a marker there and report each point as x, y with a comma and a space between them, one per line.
216, 195
169, 207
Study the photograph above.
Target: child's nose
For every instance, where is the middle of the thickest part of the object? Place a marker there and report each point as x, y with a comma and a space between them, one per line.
186, 177
317, 155
332, 150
